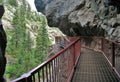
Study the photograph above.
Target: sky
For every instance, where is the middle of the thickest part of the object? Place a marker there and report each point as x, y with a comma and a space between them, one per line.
31, 2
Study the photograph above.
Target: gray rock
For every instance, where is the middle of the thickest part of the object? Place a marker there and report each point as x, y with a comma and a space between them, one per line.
84, 17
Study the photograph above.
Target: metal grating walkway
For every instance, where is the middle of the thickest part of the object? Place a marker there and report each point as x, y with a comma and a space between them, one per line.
93, 67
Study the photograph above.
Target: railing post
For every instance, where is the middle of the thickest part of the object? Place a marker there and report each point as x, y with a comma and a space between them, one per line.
74, 56
102, 44
113, 54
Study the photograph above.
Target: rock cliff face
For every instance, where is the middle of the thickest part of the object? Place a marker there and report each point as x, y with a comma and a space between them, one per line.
83, 17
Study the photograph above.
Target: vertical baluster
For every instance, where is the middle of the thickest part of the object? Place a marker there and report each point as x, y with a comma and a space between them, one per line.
73, 55
50, 72
33, 78
103, 44
55, 70
46, 73
43, 77
113, 54
39, 76
67, 63
59, 68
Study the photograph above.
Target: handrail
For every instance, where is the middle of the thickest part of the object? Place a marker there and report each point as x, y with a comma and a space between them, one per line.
58, 68
109, 48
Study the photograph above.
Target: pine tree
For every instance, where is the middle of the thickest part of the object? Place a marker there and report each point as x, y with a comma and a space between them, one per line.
12, 3
20, 45
42, 40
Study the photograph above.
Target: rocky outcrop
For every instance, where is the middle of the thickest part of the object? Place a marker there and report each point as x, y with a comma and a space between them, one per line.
2, 46
83, 17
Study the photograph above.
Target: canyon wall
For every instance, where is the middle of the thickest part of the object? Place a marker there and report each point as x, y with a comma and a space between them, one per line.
83, 17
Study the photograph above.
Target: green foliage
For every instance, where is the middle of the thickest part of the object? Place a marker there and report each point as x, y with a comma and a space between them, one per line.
42, 39
21, 47
1, 1
12, 2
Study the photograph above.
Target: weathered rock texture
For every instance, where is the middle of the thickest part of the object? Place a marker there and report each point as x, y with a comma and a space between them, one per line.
83, 17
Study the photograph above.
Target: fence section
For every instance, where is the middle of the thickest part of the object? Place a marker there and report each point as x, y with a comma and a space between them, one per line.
58, 68
110, 49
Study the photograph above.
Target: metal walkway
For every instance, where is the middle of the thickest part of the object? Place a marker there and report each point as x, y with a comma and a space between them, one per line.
93, 67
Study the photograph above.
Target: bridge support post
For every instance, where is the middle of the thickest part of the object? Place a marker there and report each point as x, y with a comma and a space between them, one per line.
113, 54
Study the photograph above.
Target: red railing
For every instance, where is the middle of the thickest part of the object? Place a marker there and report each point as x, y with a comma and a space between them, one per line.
109, 48
58, 68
